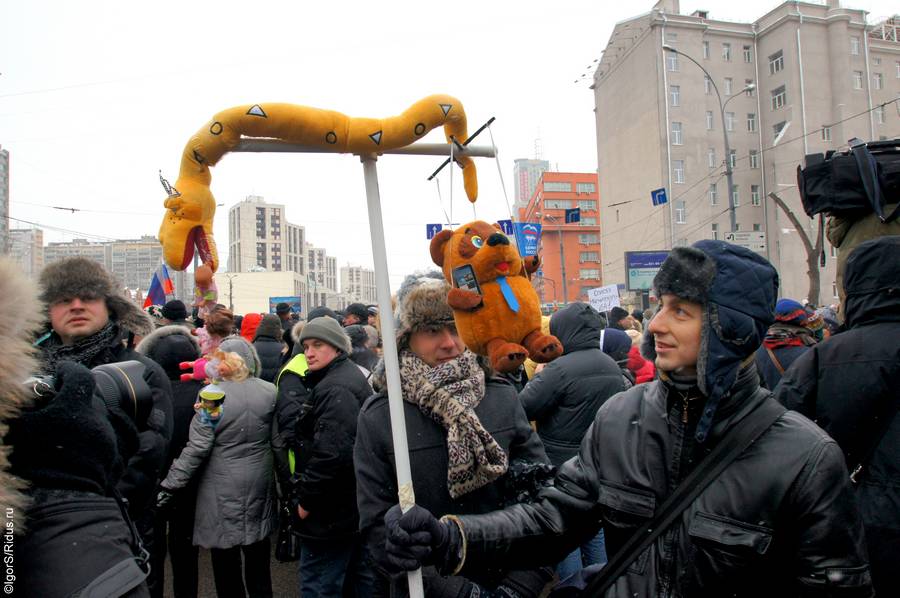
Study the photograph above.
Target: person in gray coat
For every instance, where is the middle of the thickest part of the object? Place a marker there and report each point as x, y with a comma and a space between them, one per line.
236, 503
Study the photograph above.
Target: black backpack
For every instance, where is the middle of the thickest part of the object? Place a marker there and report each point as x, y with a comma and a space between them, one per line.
853, 183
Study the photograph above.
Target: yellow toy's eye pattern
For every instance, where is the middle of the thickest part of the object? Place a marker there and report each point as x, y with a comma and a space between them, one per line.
477, 241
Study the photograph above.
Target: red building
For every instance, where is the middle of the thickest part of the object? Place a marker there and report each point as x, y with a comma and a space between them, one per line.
570, 252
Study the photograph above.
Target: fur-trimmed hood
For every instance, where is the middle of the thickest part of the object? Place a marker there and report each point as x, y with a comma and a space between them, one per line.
85, 278
19, 320
168, 346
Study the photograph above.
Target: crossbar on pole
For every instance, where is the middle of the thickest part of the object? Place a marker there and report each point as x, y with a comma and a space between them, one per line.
253, 144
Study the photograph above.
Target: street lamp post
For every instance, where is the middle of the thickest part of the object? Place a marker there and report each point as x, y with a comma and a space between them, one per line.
728, 172
562, 257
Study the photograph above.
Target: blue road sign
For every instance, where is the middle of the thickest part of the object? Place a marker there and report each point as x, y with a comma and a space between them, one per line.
506, 226
573, 215
432, 229
658, 196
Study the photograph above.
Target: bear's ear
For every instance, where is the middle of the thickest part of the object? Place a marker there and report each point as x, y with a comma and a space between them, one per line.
497, 226
437, 246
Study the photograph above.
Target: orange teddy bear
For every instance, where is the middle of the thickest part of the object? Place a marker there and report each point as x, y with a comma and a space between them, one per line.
496, 310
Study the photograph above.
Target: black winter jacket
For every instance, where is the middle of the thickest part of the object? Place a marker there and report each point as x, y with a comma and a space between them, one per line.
849, 384
270, 356
780, 520
563, 398
499, 412
324, 483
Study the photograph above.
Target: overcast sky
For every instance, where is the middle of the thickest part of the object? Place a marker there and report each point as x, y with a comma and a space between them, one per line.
96, 97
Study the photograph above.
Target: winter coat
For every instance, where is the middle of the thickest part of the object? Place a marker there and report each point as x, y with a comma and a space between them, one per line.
501, 415
147, 466
643, 369
270, 356
778, 521
324, 433
292, 395
366, 358
769, 374
848, 384
563, 397
236, 502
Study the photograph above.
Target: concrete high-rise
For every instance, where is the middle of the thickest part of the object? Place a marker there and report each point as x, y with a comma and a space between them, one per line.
4, 201
132, 261
820, 76
358, 284
259, 236
26, 247
526, 174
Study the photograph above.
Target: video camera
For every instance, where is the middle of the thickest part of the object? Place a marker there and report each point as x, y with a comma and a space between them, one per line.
118, 384
853, 183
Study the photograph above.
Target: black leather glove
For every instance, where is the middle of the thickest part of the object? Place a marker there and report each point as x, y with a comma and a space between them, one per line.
525, 584
165, 500
418, 538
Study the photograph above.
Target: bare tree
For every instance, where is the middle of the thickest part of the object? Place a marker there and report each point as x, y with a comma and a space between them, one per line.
813, 251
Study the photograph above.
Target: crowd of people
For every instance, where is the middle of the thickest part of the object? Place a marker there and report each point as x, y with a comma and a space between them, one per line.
232, 433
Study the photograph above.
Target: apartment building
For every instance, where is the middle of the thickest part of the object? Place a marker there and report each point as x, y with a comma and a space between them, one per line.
801, 79
526, 174
26, 248
358, 284
260, 237
570, 252
4, 200
323, 275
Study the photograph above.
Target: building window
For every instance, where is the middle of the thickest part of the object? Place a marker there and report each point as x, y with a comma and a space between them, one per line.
748, 54
587, 221
876, 61
675, 94
754, 159
857, 79
732, 158
715, 231
878, 81
678, 171
729, 121
587, 205
834, 292
589, 273
778, 128
589, 256
826, 133
776, 62
751, 123
729, 85
585, 188
735, 197
757, 226
557, 204
711, 157
707, 85
879, 115
705, 50
754, 195
750, 90
779, 97
680, 212
726, 52
713, 195
709, 120
897, 69
588, 238
677, 139
558, 187
854, 46
672, 61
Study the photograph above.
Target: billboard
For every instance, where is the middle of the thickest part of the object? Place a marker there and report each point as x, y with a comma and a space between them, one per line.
294, 302
641, 267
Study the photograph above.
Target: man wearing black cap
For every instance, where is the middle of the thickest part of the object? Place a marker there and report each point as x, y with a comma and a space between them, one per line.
356, 313
175, 313
779, 518
283, 311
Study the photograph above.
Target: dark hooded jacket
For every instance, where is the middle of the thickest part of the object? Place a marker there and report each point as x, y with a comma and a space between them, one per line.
778, 521
269, 346
849, 384
563, 398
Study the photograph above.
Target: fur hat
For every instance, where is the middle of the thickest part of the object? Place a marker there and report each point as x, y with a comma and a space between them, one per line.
168, 346
19, 320
358, 335
737, 289
269, 325
421, 303
318, 312
86, 279
359, 310
174, 310
328, 330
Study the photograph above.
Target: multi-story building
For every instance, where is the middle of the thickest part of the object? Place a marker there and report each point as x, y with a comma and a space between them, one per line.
132, 261
323, 275
4, 200
526, 174
76, 247
358, 283
259, 236
26, 247
801, 79
249, 292
570, 252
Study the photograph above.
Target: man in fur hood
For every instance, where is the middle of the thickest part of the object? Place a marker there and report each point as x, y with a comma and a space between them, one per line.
779, 520
92, 323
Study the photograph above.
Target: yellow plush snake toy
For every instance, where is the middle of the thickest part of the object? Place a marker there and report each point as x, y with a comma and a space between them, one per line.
190, 207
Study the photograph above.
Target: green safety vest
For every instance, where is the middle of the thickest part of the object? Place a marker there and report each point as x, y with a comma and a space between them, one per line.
297, 365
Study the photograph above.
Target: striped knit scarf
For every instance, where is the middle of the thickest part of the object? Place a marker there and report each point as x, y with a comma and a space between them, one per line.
448, 394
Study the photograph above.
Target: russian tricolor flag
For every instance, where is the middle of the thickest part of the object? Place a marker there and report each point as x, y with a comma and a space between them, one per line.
161, 286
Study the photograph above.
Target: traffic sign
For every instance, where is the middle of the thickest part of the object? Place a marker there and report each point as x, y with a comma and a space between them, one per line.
432, 229
507, 227
573, 215
752, 240
658, 196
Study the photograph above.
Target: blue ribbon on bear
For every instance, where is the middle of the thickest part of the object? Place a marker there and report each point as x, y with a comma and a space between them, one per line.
508, 294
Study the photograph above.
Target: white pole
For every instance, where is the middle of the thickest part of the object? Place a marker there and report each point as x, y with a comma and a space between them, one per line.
391, 361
